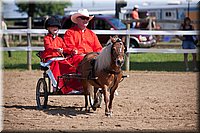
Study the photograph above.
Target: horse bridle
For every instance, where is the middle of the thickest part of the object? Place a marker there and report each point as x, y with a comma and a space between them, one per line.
120, 52
111, 71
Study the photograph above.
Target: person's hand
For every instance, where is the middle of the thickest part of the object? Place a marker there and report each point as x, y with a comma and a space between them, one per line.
74, 52
60, 50
82, 54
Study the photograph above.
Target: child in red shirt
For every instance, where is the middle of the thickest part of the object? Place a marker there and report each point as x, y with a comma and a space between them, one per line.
54, 56
53, 44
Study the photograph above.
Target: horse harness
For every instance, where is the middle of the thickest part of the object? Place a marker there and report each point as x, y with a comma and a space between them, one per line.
108, 71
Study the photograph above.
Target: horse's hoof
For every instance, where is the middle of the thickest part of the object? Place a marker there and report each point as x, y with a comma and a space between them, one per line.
85, 109
108, 114
99, 106
94, 108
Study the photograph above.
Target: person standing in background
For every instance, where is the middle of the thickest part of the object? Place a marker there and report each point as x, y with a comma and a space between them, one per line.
5, 37
188, 42
135, 15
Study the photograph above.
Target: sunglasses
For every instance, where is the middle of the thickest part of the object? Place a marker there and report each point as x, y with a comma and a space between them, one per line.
84, 18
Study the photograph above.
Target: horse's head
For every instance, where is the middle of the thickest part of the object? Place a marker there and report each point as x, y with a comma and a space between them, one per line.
118, 50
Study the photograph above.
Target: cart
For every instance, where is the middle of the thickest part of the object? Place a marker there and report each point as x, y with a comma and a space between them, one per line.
44, 87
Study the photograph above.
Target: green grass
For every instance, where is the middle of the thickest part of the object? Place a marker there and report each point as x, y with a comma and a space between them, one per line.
158, 62
19, 60
138, 62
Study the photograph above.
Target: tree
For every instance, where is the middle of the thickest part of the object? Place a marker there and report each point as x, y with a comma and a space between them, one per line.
37, 9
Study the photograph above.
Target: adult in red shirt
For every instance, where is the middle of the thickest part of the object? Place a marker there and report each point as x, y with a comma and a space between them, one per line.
135, 16
79, 39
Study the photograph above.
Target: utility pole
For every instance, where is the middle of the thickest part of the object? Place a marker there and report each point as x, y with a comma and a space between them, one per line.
188, 10
81, 3
118, 5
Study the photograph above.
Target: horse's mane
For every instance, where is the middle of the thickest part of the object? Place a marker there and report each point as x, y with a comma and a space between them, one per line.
103, 60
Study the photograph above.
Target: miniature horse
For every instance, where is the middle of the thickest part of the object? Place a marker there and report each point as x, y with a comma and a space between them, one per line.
107, 68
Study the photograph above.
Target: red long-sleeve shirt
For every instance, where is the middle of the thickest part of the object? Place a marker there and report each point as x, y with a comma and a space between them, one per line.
83, 41
51, 45
135, 15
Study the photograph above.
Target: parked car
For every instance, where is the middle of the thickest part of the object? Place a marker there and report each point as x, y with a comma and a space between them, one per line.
102, 22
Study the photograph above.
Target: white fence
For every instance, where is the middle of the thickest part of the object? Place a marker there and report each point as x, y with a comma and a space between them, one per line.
127, 33
104, 32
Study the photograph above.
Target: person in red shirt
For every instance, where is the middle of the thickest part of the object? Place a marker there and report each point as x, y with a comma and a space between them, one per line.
135, 16
56, 56
79, 39
53, 44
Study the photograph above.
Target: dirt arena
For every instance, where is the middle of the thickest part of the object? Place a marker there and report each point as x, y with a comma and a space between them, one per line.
147, 101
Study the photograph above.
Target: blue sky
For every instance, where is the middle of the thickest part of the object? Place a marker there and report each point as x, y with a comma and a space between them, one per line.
10, 7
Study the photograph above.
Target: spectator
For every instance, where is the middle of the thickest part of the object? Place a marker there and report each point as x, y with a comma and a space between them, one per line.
135, 16
5, 37
188, 42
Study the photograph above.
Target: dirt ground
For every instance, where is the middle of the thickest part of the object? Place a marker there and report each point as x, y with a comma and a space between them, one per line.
147, 101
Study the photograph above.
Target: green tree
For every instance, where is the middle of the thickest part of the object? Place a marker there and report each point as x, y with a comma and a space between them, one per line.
37, 9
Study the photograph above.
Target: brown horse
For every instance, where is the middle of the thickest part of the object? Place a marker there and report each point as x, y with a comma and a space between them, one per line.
106, 67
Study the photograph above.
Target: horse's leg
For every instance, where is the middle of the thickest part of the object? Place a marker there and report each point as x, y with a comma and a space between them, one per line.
112, 92
86, 103
106, 100
96, 100
85, 91
99, 97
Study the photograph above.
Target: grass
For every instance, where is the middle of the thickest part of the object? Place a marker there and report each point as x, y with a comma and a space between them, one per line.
158, 62
19, 60
138, 62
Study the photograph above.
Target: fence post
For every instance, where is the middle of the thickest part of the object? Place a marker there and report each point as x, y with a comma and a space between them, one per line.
127, 63
150, 23
29, 53
20, 39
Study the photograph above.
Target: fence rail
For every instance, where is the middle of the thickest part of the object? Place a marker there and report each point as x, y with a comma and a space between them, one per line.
104, 32
127, 33
130, 50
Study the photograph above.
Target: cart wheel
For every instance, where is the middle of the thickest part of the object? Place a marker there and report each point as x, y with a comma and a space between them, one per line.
41, 94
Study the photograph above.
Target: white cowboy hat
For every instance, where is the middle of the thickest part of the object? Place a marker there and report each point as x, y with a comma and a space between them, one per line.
136, 6
81, 12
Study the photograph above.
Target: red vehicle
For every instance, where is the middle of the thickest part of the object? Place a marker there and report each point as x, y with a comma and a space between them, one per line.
102, 22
